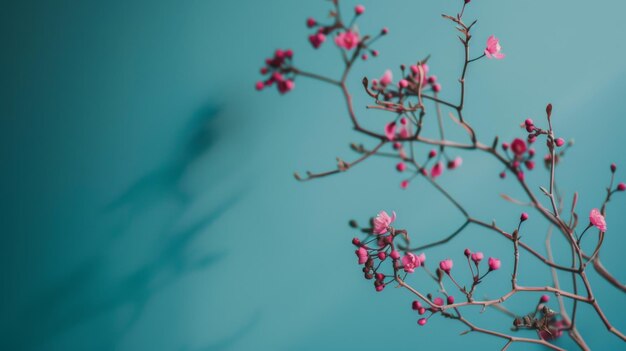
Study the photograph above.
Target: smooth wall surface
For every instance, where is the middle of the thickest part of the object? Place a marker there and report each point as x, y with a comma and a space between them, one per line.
147, 197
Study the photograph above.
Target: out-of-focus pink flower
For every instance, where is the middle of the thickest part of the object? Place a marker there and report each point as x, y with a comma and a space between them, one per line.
347, 40
383, 221
493, 48
436, 170
494, 264
597, 219
387, 78
422, 258
390, 130
403, 83
359, 9
259, 86
362, 254
518, 146
410, 262
456, 163
317, 39
477, 257
446, 265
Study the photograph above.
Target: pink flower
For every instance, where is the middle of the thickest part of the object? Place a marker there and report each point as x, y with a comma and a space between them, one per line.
317, 39
347, 40
436, 170
390, 130
359, 9
382, 222
362, 254
422, 258
597, 219
518, 146
477, 257
456, 163
387, 78
494, 264
493, 48
410, 262
446, 265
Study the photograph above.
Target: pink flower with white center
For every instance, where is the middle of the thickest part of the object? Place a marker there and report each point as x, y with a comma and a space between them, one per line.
436, 170
317, 39
387, 78
493, 48
494, 264
390, 130
410, 262
518, 146
446, 265
597, 219
477, 257
383, 221
347, 40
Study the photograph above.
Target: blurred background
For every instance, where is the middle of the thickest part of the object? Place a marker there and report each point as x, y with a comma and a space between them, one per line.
147, 194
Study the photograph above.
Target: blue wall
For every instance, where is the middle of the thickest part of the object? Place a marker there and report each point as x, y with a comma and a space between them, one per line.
148, 201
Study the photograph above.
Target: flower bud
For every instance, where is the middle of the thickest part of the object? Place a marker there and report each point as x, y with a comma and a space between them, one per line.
401, 167
613, 167
621, 187
395, 254
467, 252
494, 264
382, 255
359, 9
421, 321
523, 217
356, 241
544, 298
560, 142
416, 305
450, 300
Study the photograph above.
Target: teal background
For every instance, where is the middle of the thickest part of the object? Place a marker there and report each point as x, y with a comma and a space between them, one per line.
147, 198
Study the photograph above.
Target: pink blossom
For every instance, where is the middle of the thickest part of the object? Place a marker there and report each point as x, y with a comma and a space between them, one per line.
382, 222
456, 163
259, 86
494, 264
359, 9
410, 262
362, 254
518, 146
436, 170
493, 48
597, 219
387, 78
317, 39
390, 130
477, 257
560, 142
347, 40
436, 87
446, 265
403, 83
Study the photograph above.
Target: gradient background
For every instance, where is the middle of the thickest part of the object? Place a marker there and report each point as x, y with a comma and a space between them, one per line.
147, 194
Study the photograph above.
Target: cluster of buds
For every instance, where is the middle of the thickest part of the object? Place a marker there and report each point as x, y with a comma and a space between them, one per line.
413, 81
279, 71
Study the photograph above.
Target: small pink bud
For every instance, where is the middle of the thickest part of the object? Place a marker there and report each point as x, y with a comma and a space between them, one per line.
395, 254
529, 122
375, 53
544, 298
421, 310
416, 305
532, 139
505, 146
364, 57
477, 257
456, 163
502, 175
259, 86
422, 321
520, 175
289, 53
450, 300
356, 241
467, 252
359, 9
531, 152
494, 264
621, 187
437, 170
264, 70
380, 277
384, 31
317, 39
446, 265
530, 165
613, 167
310, 22
432, 79
560, 142
438, 301
436, 87
432, 153
380, 287
401, 166
404, 184
523, 217
382, 255
403, 83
